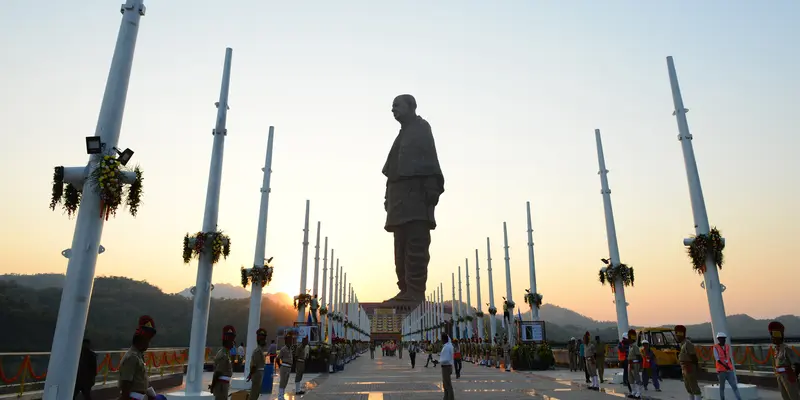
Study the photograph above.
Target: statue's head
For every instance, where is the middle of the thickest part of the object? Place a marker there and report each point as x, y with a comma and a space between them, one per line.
404, 108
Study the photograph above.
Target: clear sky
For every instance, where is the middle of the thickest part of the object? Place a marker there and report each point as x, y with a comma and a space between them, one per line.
513, 91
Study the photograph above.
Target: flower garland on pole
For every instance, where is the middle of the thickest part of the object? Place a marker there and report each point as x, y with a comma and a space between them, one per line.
303, 299
108, 179
533, 299
258, 274
702, 245
196, 244
610, 273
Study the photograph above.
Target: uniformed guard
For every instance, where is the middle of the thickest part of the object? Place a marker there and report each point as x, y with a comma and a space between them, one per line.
133, 382
507, 354
223, 368
285, 362
600, 357
786, 362
635, 366
591, 361
257, 364
300, 357
690, 364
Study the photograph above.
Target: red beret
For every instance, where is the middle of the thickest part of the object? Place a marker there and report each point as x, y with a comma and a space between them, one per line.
147, 327
776, 329
228, 332
680, 329
261, 332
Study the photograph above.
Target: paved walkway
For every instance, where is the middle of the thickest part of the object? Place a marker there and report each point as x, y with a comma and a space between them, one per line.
389, 378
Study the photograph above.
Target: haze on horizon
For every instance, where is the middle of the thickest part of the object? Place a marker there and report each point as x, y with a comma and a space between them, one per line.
513, 93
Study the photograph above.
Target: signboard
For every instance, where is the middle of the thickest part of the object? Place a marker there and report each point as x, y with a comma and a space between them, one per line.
384, 311
532, 331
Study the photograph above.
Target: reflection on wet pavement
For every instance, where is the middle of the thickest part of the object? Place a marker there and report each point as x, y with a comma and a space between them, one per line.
389, 378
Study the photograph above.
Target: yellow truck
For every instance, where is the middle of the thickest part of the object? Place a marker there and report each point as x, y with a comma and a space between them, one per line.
665, 346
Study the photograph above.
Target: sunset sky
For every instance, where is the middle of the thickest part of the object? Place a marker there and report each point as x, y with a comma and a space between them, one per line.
513, 92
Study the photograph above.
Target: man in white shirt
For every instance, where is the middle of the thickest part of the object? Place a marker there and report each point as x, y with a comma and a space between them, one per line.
446, 359
240, 352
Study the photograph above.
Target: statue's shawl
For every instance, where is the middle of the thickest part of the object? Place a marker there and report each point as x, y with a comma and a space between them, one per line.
414, 153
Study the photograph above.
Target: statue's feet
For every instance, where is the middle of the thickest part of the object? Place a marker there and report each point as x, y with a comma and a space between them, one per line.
401, 297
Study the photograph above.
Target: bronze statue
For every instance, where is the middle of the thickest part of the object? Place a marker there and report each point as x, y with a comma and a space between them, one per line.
414, 182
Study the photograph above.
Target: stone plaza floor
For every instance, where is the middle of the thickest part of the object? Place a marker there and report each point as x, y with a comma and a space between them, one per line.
390, 378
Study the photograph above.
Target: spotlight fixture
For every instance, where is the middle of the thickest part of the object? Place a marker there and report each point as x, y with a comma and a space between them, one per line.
605, 261
124, 156
93, 145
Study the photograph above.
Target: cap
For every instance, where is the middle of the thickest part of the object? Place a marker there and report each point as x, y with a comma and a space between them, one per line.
228, 332
632, 334
776, 329
680, 330
147, 327
721, 335
625, 335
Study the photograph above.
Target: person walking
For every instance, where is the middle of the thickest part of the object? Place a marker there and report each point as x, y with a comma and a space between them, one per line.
724, 364
272, 351
457, 357
285, 362
412, 354
600, 357
635, 366
447, 359
572, 354
649, 367
372, 350
301, 356
256, 373
223, 368
591, 362
87, 371
786, 363
622, 353
582, 352
690, 364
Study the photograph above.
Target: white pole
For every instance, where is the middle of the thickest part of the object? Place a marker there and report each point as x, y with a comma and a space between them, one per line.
441, 305
324, 284
510, 323
492, 319
82, 255
202, 296
531, 263
344, 306
460, 312
254, 316
469, 301
315, 290
331, 308
301, 308
611, 233
478, 285
454, 308
714, 288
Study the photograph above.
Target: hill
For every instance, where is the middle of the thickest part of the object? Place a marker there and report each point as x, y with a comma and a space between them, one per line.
115, 306
228, 291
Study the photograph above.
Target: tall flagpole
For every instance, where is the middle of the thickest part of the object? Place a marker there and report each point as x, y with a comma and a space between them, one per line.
492, 308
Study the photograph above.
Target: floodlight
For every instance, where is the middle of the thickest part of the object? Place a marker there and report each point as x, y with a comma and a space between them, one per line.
124, 156
605, 261
93, 145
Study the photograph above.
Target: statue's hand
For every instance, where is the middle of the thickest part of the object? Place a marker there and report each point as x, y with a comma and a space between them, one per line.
386, 205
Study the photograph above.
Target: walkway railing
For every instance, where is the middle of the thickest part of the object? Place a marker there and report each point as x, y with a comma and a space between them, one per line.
27, 371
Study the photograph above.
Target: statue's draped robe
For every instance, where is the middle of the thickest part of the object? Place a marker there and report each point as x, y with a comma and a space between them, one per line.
414, 179
414, 182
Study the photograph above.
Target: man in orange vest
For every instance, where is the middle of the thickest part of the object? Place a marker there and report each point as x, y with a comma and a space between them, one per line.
724, 364
622, 353
786, 363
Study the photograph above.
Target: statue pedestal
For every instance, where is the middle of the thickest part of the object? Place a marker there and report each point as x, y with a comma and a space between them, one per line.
748, 392
183, 396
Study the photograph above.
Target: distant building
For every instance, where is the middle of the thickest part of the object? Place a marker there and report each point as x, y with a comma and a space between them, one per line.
387, 322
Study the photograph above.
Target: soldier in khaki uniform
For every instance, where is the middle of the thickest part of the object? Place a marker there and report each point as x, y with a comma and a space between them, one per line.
634, 366
300, 357
257, 364
786, 363
507, 355
591, 361
133, 382
223, 368
600, 357
690, 364
285, 362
